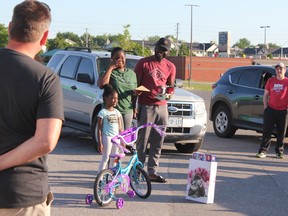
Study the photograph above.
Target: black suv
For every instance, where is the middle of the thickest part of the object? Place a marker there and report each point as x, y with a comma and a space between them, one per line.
237, 99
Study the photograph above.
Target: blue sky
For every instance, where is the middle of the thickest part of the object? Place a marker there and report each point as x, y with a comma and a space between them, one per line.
160, 17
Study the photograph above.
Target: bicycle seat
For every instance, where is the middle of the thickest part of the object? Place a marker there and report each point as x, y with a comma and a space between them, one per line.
121, 155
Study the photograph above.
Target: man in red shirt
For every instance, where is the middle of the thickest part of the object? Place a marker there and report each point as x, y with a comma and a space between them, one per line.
154, 73
275, 102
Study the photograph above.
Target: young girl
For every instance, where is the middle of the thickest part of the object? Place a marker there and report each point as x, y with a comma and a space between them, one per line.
109, 125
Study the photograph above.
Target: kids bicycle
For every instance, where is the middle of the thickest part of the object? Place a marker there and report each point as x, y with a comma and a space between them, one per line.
108, 180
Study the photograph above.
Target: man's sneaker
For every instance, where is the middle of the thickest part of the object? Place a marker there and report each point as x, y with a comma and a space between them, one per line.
280, 155
261, 155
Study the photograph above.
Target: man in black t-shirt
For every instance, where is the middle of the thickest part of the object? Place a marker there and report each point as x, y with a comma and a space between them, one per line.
31, 113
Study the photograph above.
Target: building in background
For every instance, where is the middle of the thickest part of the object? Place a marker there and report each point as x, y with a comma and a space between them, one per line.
224, 44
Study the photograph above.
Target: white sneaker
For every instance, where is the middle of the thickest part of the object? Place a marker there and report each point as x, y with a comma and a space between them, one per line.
261, 155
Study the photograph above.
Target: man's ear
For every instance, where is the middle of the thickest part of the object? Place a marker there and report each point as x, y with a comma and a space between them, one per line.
44, 38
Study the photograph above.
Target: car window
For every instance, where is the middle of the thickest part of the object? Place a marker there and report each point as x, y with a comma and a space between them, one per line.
250, 78
235, 77
131, 63
103, 64
247, 77
55, 61
265, 76
86, 67
69, 67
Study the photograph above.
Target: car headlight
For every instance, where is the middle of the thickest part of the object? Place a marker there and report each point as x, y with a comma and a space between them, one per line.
199, 108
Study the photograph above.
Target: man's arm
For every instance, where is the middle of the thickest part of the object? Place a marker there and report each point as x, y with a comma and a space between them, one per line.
265, 98
139, 70
171, 81
44, 141
171, 78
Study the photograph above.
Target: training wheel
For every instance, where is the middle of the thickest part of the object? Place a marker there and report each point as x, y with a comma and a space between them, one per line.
131, 193
120, 203
89, 199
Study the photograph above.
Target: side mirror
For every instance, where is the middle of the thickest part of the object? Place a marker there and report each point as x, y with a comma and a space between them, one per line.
179, 83
85, 78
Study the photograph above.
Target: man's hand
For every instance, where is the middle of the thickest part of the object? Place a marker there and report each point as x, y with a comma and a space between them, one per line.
168, 97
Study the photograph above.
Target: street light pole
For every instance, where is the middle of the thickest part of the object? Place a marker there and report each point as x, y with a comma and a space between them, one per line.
204, 53
191, 45
265, 27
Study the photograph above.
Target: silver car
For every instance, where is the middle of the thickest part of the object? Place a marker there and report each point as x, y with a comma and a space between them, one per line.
79, 70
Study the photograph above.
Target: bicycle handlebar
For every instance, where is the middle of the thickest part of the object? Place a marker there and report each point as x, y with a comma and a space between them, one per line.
130, 135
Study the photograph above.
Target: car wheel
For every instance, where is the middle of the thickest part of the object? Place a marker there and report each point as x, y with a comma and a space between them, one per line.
94, 133
222, 123
188, 147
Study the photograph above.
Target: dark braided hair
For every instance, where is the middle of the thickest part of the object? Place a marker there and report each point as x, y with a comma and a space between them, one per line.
108, 90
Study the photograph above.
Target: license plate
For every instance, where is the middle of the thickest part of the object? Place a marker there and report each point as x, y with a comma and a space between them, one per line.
175, 122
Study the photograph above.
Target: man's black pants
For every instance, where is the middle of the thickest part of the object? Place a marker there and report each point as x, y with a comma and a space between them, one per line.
273, 117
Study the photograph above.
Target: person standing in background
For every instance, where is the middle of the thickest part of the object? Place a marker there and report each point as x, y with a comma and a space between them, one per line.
275, 102
154, 73
31, 114
124, 82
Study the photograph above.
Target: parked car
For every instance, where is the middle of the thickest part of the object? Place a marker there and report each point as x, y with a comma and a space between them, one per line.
79, 70
237, 99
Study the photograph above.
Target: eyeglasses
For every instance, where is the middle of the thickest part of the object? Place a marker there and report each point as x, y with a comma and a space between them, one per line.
46, 6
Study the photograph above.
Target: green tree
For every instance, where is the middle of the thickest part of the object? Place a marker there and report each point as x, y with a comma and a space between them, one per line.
171, 37
184, 50
273, 45
259, 46
101, 40
140, 50
270, 45
157, 37
57, 43
63, 40
90, 41
124, 40
71, 36
154, 38
243, 43
3, 36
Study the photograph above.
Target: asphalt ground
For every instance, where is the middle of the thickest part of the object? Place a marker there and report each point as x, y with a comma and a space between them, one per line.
245, 185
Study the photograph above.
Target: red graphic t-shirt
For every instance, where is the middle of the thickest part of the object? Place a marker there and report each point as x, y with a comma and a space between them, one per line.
278, 91
152, 74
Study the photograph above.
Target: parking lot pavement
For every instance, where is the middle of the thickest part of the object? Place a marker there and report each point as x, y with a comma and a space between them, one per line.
245, 185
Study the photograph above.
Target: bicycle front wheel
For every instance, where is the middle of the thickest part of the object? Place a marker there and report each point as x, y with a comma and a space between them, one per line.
103, 178
140, 182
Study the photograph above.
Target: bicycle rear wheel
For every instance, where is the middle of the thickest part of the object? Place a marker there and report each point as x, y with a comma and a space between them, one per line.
102, 179
140, 182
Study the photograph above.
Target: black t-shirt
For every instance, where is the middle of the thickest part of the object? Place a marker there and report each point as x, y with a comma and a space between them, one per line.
28, 91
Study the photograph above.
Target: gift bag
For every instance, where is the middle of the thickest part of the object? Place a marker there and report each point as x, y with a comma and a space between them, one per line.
201, 178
